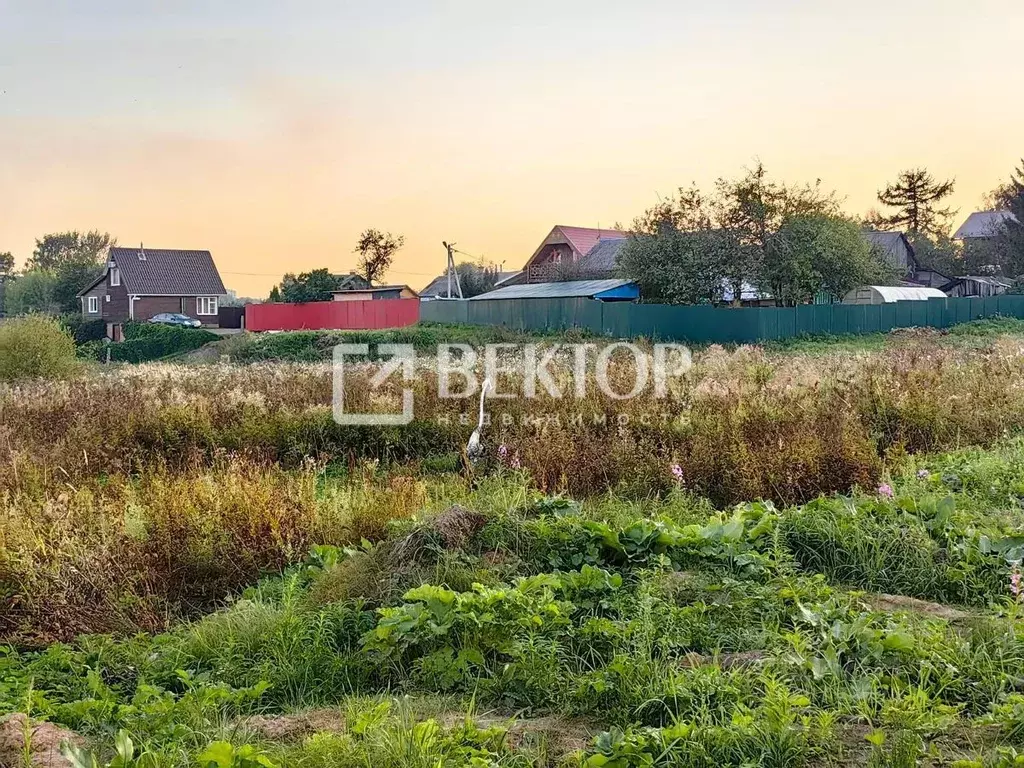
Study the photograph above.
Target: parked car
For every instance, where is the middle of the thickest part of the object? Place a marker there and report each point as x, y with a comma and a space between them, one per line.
173, 318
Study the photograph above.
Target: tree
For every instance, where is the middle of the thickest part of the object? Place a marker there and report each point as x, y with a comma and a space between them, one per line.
316, 285
940, 253
916, 196
376, 249
676, 266
74, 259
475, 278
275, 295
55, 250
691, 248
32, 292
1002, 197
754, 208
817, 252
6, 264
1009, 243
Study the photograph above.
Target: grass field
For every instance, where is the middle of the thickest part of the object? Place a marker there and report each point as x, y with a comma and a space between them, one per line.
815, 561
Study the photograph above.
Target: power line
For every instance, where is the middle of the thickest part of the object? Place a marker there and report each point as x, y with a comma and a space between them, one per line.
278, 274
478, 258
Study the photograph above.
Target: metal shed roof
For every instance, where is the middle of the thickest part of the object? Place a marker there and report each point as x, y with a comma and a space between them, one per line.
890, 293
570, 289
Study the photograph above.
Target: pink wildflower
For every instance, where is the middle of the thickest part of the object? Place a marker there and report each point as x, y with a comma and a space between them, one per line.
677, 472
502, 451
885, 490
923, 474
1016, 589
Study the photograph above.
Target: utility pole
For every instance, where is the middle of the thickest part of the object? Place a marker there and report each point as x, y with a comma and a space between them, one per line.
450, 247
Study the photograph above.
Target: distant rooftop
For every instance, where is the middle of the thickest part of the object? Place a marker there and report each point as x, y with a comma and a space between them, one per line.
983, 224
603, 256
569, 289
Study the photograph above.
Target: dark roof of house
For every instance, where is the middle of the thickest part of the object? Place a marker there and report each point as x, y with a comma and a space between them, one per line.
886, 240
166, 272
602, 257
889, 243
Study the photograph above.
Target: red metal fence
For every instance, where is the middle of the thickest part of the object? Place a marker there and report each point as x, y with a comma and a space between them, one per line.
338, 315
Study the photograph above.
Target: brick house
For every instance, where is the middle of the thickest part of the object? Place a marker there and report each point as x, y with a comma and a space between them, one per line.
142, 282
562, 247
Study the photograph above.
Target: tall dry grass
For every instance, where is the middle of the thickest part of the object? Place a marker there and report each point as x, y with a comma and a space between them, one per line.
119, 553
741, 424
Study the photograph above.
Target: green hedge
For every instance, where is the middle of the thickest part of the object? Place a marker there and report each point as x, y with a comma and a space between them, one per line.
83, 329
150, 341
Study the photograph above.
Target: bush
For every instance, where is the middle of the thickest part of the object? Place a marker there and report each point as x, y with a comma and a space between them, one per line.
84, 330
35, 346
150, 341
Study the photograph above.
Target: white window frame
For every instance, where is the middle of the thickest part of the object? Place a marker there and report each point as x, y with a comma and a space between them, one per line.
208, 303
115, 277
93, 305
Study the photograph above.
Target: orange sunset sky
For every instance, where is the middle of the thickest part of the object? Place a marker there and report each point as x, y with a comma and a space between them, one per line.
272, 133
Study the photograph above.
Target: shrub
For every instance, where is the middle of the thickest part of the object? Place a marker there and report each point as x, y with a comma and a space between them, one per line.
35, 346
84, 330
150, 341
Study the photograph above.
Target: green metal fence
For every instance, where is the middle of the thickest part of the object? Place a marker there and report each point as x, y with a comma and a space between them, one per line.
706, 324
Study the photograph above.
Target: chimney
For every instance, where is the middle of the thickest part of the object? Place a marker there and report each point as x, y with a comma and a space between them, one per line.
142, 252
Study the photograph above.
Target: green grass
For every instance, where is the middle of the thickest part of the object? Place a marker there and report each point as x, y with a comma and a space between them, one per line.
687, 636
221, 606
977, 333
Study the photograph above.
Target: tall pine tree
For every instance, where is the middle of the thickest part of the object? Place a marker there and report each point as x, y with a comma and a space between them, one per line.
916, 196
1010, 241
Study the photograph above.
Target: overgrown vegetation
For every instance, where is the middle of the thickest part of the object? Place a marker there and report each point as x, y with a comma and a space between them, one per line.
745, 425
198, 567
144, 342
34, 346
689, 636
318, 346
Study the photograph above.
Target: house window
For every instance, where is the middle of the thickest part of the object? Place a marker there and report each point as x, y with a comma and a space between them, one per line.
94, 305
115, 276
206, 305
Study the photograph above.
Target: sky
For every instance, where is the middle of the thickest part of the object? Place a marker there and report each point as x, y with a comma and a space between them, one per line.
273, 133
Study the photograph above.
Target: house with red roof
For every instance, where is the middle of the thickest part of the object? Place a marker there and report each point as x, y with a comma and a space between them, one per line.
562, 247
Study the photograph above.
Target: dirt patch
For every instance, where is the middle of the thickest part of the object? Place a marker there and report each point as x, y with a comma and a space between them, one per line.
44, 743
457, 525
902, 604
211, 352
559, 735
297, 726
917, 333
724, 660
